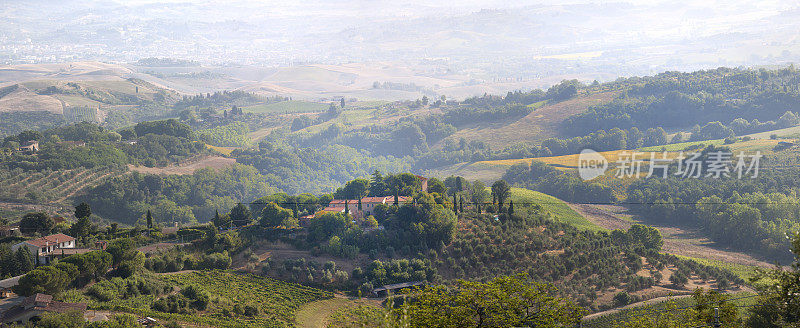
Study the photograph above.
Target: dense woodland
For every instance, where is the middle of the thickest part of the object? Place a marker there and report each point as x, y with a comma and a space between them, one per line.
675, 100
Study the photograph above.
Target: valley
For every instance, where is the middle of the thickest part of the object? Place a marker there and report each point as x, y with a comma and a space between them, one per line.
255, 187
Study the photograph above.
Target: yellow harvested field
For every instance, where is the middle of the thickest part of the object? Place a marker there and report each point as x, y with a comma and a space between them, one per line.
571, 161
223, 150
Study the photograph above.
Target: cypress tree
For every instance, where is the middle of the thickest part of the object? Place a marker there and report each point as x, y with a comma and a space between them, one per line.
24, 261
510, 207
149, 220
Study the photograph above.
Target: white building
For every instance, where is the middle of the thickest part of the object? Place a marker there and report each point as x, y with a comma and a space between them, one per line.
44, 246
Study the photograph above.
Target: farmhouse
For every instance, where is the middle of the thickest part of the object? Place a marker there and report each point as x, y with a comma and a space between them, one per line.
30, 147
42, 248
367, 205
35, 305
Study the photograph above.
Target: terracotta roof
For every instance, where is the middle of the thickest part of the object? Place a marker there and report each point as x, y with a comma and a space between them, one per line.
341, 202
333, 209
375, 200
35, 299
51, 239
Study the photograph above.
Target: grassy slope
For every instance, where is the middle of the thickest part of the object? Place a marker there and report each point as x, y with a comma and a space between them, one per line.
560, 210
318, 314
540, 124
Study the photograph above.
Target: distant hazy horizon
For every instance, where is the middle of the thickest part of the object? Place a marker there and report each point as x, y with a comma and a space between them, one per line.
530, 43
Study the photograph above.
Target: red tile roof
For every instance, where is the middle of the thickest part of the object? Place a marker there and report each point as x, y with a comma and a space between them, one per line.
50, 240
35, 299
373, 200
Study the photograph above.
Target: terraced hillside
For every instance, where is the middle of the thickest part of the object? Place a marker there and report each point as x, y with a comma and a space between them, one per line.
49, 186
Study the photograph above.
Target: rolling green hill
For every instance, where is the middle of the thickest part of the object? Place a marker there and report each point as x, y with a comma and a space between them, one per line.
558, 208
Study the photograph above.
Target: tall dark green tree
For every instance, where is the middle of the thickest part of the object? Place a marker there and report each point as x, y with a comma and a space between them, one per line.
240, 215
377, 185
501, 191
149, 220
83, 210
24, 260
510, 207
81, 228
38, 222
221, 221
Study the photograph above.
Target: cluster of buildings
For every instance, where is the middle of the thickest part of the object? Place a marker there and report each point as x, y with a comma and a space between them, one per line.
350, 206
368, 204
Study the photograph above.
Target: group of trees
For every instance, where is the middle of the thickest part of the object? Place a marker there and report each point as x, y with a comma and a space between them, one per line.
426, 222
299, 170
747, 214
549, 180
15, 263
680, 100
72, 271
177, 198
157, 143
505, 301
223, 99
